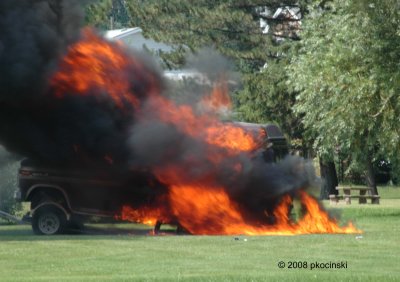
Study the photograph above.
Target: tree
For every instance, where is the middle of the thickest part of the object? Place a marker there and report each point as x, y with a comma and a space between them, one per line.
348, 80
8, 181
233, 28
266, 97
119, 14
108, 14
97, 14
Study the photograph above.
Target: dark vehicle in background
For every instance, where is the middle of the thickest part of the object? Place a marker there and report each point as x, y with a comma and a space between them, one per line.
64, 196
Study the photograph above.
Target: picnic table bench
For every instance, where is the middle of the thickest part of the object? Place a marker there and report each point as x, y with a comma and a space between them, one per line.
349, 192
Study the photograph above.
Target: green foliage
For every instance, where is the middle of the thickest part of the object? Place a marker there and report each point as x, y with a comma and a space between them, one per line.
119, 14
266, 98
97, 14
224, 25
106, 14
348, 78
233, 29
8, 182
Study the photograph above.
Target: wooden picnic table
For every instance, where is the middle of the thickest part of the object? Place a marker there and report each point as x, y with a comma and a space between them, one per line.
360, 193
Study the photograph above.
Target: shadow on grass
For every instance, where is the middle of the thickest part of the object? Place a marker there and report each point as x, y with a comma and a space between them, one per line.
89, 232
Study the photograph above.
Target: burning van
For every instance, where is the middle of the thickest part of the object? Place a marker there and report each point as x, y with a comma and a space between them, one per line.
104, 136
66, 195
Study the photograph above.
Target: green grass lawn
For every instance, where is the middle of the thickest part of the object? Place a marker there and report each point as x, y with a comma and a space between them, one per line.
127, 254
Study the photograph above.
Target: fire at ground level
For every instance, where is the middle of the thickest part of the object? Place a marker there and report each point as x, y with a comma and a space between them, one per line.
83, 99
314, 219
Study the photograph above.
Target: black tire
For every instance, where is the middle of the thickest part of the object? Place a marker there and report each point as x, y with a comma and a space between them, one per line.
48, 220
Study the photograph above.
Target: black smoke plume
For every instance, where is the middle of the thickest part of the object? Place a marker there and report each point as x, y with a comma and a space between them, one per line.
257, 187
34, 36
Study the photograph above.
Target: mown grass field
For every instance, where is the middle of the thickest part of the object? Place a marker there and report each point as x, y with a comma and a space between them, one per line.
125, 253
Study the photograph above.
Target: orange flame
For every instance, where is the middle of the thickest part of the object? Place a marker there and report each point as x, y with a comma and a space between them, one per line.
205, 211
103, 70
93, 66
317, 220
145, 215
219, 100
205, 127
202, 208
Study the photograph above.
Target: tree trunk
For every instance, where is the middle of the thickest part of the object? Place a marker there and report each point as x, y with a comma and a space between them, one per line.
329, 179
370, 176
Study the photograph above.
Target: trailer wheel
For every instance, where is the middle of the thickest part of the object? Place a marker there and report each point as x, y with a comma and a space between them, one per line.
48, 220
